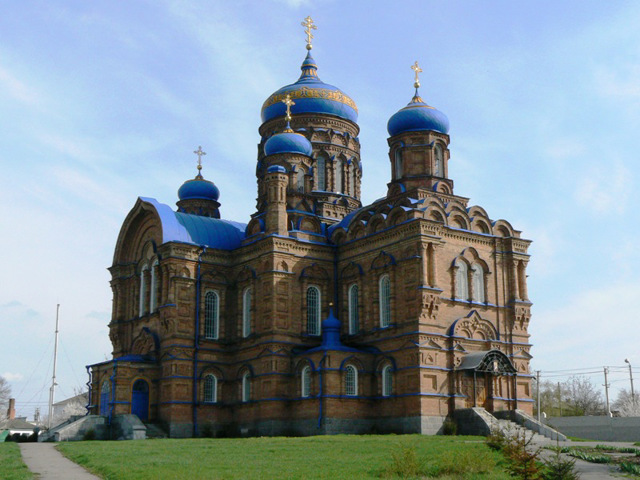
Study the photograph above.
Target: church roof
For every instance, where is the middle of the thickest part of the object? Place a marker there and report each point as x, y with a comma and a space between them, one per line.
196, 229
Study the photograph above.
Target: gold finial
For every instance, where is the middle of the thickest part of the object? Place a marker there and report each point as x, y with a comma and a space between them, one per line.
200, 153
416, 69
308, 24
289, 103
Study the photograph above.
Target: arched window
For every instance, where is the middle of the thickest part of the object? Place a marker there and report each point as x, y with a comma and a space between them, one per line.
387, 381
439, 162
321, 167
300, 180
350, 381
246, 312
398, 163
211, 315
477, 279
385, 301
246, 387
105, 392
143, 290
153, 287
462, 281
338, 176
210, 389
313, 311
305, 382
354, 323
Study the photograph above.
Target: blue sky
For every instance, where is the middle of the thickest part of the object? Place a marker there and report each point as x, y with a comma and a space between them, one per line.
103, 102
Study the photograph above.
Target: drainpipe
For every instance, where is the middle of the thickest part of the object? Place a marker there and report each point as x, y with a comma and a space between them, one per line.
89, 389
321, 392
196, 345
113, 390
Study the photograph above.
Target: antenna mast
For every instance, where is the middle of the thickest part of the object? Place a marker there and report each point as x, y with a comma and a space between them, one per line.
52, 390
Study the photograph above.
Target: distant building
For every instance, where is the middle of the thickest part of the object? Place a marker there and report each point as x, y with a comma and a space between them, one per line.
320, 315
13, 424
75, 405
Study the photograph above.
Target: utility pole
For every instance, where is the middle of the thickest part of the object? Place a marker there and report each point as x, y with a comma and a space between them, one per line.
52, 390
538, 395
633, 396
606, 390
559, 400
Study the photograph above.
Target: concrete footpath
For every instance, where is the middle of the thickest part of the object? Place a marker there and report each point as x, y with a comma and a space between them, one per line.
44, 460
587, 470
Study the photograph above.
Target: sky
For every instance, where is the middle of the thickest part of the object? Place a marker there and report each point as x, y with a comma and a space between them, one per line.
105, 101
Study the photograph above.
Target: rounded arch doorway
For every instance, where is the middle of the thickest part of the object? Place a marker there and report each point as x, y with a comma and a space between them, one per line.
140, 399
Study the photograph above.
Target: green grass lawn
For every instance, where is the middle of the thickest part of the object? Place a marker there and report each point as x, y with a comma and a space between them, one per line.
330, 457
11, 466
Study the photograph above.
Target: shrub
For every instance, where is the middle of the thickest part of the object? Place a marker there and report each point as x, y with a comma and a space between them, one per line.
497, 439
559, 468
404, 463
449, 427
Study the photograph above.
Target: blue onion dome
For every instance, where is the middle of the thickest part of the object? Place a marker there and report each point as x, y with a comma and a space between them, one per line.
198, 188
416, 116
311, 95
288, 142
276, 168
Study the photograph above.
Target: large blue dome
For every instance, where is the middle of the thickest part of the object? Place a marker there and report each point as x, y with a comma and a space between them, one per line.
288, 142
417, 116
311, 95
198, 188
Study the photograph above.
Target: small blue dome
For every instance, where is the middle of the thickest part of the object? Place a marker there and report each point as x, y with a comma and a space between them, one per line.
417, 116
198, 188
311, 95
288, 142
276, 168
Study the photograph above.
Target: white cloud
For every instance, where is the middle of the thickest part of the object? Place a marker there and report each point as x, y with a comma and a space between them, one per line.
17, 89
604, 188
623, 83
12, 377
566, 148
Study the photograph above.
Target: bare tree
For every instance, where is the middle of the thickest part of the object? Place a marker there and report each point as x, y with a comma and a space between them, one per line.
625, 405
582, 397
5, 395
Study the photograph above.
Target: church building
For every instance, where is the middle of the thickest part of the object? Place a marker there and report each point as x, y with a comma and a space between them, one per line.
318, 314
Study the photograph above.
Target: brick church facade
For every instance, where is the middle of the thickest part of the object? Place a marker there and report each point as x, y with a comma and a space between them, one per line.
319, 315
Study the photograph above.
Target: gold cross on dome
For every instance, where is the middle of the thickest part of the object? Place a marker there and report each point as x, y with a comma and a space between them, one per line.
289, 103
199, 153
308, 24
416, 69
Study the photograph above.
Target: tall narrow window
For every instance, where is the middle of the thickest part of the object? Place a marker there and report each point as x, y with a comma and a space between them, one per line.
246, 312
385, 301
143, 290
313, 311
246, 387
354, 179
477, 279
439, 162
305, 381
462, 280
398, 162
153, 287
338, 176
350, 381
300, 180
354, 323
105, 392
210, 389
211, 315
387, 381
321, 173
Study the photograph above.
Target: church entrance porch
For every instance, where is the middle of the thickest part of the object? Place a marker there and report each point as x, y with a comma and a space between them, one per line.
478, 378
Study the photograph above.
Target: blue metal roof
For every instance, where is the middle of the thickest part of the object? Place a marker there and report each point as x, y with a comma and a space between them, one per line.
417, 116
197, 230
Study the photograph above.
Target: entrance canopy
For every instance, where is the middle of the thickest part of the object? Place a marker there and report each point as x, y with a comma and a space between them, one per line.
487, 361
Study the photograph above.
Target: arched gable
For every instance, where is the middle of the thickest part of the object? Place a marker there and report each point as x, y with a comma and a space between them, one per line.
141, 226
472, 326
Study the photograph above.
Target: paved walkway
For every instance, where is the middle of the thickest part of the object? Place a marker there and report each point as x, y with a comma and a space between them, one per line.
587, 470
49, 464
